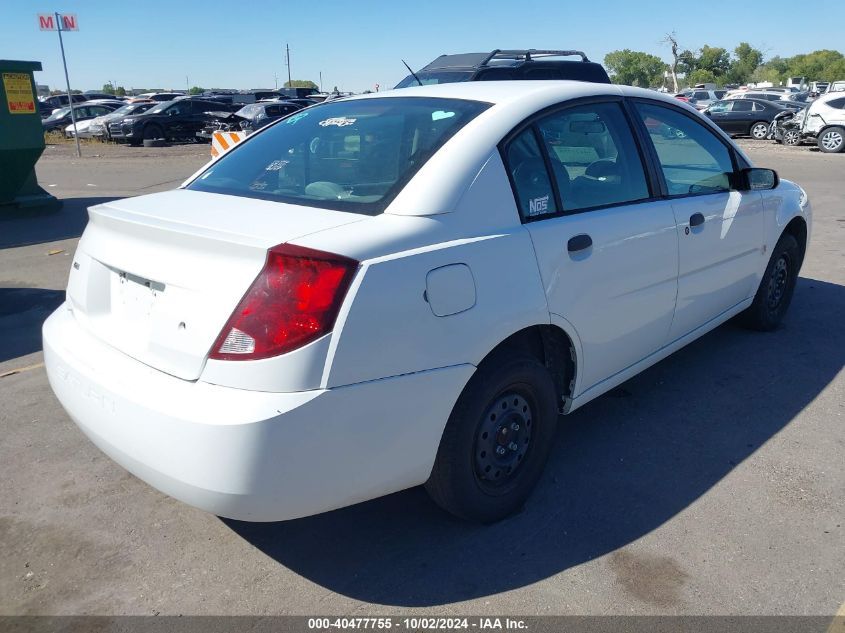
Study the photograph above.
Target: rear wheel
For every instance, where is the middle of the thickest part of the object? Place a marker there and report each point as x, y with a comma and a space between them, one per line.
497, 439
775, 292
832, 140
759, 130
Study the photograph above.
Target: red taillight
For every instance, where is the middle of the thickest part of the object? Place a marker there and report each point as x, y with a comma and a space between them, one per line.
294, 300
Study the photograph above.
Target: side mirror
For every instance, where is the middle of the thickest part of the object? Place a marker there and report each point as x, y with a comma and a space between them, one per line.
759, 179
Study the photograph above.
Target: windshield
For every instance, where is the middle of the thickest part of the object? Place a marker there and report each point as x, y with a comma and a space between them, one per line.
58, 114
249, 111
436, 77
344, 155
127, 109
160, 107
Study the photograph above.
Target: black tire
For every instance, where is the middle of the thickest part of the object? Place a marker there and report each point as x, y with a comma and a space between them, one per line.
831, 140
153, 131
776, 287
759, 130
520, 389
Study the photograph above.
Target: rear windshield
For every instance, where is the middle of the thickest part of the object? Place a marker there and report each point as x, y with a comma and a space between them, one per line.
435, 77
344, 155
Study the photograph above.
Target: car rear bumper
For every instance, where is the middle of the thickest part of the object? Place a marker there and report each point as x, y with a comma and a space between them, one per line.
250, 455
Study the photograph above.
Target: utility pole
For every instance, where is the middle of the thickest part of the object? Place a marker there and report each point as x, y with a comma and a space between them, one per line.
321, 81
287, 61
67, 80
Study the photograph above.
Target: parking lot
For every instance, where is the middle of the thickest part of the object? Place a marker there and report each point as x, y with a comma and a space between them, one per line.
711, 483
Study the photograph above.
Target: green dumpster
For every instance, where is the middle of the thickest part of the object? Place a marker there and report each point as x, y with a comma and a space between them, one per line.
21, 137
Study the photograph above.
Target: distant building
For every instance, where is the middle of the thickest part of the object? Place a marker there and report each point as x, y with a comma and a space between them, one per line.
42, 90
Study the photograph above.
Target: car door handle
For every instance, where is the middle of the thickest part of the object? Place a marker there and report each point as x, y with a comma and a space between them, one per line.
579, 243
696, 219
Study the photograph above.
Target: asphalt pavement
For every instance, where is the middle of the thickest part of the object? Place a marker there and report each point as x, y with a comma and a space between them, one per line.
710, 484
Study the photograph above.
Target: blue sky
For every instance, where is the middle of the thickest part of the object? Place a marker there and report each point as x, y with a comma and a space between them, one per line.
240, 44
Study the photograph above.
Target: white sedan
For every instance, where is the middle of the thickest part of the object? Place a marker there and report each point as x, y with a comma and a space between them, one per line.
407, 288
82, 129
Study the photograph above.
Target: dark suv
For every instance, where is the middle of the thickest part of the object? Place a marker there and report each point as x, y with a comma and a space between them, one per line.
170, 120
501, 65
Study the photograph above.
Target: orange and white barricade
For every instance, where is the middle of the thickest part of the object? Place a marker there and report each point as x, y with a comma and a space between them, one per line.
221, 142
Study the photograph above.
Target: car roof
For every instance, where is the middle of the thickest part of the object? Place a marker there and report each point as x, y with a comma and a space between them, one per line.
501, 92
499, 58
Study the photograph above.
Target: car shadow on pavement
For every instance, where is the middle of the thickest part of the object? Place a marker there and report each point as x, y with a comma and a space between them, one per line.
622, 466
22, 313
24, 227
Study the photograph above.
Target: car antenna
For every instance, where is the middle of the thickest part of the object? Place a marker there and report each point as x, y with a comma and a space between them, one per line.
412, 72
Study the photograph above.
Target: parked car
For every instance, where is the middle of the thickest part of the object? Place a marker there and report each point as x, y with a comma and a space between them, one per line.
248, 119
48, 105
700, 99
836, 86
507, 65
760, 95
160, 96
171, 120
407, 288
59, 120
92, 94
98, 128
744, 117
786, 127
824, 123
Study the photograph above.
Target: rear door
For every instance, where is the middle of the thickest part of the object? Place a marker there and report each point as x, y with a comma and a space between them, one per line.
606, 249
720, 229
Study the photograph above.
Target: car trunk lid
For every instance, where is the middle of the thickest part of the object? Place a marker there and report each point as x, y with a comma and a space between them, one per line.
158, 276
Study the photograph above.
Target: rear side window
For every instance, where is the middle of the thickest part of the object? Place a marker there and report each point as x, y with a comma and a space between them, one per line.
701, 94
346, 155
533, 189
693, 159
594, 157
742, 105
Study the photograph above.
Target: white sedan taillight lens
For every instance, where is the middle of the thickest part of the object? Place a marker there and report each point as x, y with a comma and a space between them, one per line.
293, 301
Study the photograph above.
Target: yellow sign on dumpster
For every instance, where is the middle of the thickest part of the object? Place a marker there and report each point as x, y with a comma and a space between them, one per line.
19, 97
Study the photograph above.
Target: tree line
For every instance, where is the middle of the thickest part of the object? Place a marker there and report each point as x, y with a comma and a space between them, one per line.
714, 64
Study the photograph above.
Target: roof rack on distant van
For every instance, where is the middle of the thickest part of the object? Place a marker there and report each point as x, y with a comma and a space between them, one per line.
531, 53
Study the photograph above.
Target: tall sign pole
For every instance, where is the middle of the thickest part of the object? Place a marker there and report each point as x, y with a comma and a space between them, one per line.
287, 58
58, 22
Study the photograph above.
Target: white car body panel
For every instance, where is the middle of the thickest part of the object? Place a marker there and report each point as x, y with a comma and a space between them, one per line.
245, 454
446, 273
81, 129
721, 261
631, 269
820, 114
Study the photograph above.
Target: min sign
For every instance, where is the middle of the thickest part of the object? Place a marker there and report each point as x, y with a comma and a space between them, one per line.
68, 22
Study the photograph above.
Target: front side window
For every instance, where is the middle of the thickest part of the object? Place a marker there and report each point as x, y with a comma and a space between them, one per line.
346, 155
722, 106
693, 159
594, 157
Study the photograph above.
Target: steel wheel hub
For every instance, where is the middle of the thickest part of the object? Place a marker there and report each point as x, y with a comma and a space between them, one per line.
777, 282
503, 439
